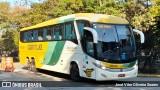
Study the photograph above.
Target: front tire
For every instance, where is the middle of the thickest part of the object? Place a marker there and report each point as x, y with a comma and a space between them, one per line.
74, 73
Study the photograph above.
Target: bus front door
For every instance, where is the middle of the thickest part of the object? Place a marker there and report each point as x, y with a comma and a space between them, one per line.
88, 56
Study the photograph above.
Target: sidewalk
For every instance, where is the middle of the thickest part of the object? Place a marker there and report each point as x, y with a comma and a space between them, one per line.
149, 75
19, 66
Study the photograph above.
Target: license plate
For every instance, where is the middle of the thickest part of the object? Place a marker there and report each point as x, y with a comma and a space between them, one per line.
121, 75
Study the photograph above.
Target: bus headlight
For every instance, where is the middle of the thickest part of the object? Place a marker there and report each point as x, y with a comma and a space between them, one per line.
101, 66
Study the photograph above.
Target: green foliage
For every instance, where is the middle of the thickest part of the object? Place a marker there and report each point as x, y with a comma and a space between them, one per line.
4, 12
135, 14
7, 28
7, 41
14, 18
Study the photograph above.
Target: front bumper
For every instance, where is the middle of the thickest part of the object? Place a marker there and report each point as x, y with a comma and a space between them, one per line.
103, 75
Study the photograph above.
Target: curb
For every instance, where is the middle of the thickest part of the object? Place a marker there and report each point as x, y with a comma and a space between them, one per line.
149, 75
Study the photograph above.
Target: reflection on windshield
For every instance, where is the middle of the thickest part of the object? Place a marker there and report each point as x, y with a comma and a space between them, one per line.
115, 42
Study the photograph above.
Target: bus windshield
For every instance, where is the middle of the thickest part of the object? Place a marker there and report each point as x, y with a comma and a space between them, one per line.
115, 42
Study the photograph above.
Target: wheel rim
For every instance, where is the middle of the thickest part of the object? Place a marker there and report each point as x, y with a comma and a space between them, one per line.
75, 73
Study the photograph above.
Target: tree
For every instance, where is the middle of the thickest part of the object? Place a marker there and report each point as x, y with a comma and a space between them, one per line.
4, 12
9, 33
7, 41
14, 18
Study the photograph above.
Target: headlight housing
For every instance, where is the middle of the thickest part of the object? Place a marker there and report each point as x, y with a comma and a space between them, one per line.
101, 66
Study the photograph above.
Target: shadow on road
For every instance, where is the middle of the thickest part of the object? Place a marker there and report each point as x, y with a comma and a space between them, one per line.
69, 83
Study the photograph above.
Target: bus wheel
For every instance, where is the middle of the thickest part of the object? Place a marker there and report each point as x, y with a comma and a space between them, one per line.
74, 72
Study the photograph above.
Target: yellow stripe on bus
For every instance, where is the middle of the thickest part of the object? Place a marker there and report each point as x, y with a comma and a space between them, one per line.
111, 65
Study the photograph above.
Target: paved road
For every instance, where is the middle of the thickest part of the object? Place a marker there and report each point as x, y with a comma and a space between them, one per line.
63, 82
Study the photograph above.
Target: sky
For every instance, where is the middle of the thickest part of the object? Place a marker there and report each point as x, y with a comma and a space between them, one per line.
12, 2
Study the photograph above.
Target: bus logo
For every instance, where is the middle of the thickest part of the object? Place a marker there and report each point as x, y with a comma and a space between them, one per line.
34, 46
113, 66
89, 72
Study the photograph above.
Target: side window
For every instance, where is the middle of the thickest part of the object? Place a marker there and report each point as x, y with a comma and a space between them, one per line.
49, 33
73, 33
26, 37
68, 29
30, 36
44, 33
88, 42
40, 35
81, 28
81, 24
63, 31
53, 33
59, 32
22, 37
70, 32
35, 35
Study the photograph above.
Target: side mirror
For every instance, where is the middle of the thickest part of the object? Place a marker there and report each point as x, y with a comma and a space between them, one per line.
94, 33
141, 35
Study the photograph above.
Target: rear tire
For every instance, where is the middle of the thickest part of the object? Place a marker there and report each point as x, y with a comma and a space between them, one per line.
74, 73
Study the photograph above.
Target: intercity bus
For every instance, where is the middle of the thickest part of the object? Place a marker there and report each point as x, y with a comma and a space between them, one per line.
88, 45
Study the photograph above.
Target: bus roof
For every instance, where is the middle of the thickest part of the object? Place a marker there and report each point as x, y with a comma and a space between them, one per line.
101, 18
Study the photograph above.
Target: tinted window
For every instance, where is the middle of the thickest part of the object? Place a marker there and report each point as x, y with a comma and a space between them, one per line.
48, 33
89, 43
57, 35
70, 32
30, 36
40, 35
35, 35
22, 37
81, 25
26, 36
57, 32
